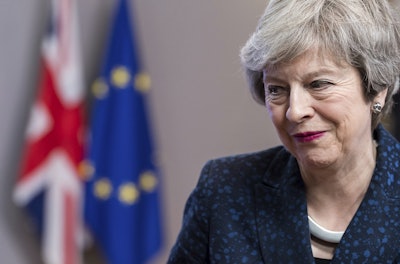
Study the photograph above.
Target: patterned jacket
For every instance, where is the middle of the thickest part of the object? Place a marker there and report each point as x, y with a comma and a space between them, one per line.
252, 208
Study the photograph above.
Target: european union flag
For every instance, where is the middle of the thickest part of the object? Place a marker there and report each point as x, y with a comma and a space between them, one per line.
122, 194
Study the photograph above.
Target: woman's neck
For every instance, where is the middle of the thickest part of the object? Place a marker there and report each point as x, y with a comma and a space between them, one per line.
335, 193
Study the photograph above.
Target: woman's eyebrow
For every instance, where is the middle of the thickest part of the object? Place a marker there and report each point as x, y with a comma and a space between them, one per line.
271, 76
319, 72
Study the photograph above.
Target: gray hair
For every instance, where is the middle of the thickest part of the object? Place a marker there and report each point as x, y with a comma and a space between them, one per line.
363, 33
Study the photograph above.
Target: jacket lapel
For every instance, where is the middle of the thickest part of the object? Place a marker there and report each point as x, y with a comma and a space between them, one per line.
281, 217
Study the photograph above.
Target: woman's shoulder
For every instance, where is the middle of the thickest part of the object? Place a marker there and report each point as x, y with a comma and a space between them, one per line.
243, 169
387, 171
251, 161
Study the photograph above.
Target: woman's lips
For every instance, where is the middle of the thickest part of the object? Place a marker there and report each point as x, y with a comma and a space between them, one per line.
308, 136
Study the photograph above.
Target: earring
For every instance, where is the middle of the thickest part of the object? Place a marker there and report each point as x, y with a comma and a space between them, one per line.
377, 108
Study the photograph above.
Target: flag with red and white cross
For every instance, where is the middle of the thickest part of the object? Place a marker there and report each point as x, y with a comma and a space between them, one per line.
49, 185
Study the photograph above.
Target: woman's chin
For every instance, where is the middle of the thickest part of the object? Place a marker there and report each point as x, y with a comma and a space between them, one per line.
316, 161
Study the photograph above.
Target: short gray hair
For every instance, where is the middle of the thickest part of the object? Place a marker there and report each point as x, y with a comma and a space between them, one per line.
363, 33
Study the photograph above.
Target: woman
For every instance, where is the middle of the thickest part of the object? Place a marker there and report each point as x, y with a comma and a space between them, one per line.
326, 71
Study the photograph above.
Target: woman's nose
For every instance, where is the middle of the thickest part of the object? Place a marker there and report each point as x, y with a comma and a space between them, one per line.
300, 105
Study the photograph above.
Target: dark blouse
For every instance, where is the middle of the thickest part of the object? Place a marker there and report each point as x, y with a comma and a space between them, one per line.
322, 261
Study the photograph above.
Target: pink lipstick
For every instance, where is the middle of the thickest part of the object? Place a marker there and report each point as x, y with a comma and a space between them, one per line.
308, 136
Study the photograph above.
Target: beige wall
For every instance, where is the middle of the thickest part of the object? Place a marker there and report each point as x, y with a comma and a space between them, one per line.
199, 102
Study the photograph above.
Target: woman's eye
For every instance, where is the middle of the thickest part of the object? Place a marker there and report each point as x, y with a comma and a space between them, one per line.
274, 89
275, 93
320, 84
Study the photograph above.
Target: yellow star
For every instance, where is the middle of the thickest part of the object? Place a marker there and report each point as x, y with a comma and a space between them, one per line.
120, 77
85, 170
148, 181
103, 189
100, 88
142, 82
128, 193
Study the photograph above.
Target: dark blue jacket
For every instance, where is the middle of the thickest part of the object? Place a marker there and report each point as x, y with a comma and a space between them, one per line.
252, 209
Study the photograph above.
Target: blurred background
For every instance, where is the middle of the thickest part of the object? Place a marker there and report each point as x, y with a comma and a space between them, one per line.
199, 105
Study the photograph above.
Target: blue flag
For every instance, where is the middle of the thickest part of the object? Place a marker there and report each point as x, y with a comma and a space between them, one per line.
122, 194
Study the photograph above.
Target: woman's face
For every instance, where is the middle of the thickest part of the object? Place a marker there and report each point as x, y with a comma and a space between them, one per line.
319, 111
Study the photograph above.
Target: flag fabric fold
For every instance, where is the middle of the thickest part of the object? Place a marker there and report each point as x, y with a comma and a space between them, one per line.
122, 208
49, 184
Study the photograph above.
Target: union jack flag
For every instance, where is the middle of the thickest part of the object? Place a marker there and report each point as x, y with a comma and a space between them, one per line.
49, 185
